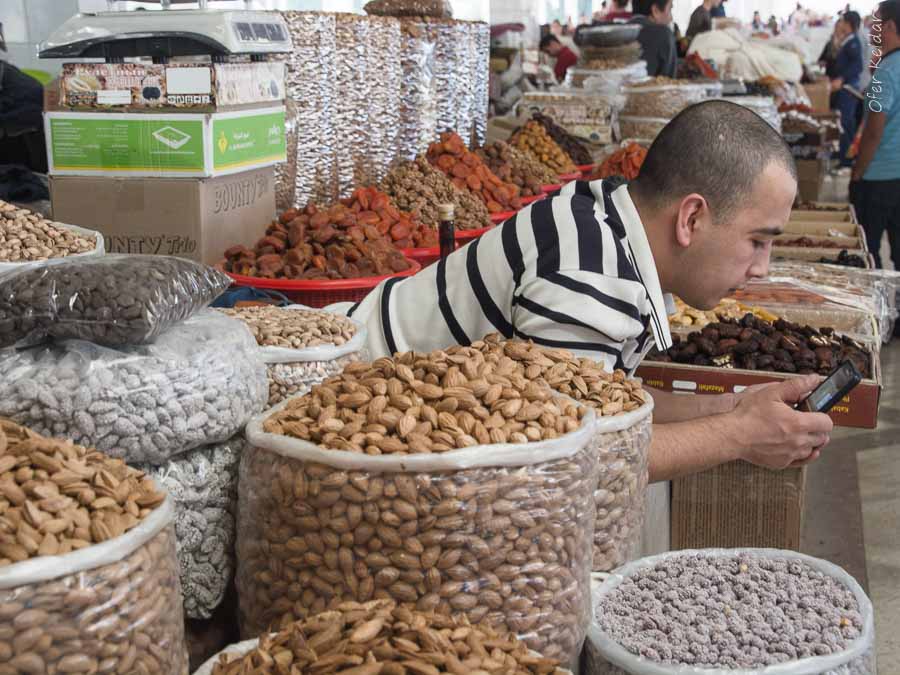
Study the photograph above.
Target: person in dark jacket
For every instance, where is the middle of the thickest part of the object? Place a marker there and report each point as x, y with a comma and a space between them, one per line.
656, 38
848, 70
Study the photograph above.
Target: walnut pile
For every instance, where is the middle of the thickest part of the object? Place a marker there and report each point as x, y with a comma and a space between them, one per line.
418, 187
515, 166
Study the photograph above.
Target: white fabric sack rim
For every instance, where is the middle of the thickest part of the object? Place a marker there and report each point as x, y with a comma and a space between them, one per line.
325, 352
99, 249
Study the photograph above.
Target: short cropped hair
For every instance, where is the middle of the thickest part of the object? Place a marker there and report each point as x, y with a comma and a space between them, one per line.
645, 7
717, 149
547, 40
889, 10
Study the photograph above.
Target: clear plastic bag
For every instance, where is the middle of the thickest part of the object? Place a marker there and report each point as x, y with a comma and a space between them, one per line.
111, 607
112, 300
197, 384
622, 447
500, 532
603, 656
664, 100
202, 484
440, 9
641, 128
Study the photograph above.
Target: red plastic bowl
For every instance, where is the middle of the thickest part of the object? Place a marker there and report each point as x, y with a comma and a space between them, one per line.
566, 177
551, 188
468, 235
532, 199
586, 169
423, 256
498, 218
319, 293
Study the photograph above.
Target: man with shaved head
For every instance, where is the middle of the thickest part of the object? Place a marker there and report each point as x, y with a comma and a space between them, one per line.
591, 269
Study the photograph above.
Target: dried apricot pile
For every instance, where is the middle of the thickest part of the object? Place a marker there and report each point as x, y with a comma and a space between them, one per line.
625, 162
533, 138
468, 172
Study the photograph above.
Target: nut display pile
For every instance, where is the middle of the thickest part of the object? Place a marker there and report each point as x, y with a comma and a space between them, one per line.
28, 237
730, 611
310, 334
506, 544
197, 384
61, 497
754, 344
514, 166
468, 172
566, 141
434, 8
728, 308
846, 259
624, 162
111, 300
810, 242
357, 237
419, 188
379, 637
122, 617
202, 483
820, 206
661, 97
533, 139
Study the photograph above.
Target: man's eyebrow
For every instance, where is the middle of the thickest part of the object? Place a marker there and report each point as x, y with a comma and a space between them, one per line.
771, 231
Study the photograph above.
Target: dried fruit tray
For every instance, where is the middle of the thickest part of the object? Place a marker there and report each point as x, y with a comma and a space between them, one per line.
468, 235
551, 188
501, 217
319, 293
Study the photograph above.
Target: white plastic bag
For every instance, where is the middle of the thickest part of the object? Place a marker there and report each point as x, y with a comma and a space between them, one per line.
501, 532
606, 657
197, 384
110, 607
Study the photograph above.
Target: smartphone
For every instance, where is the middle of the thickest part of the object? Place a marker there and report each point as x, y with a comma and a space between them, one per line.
837, 385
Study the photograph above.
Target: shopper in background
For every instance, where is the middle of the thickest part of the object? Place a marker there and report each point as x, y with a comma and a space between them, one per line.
619, 11
828, 57
656, 38
565, 57
701, 19
848, 70
875, 181
718, 12
587, 270
757, 22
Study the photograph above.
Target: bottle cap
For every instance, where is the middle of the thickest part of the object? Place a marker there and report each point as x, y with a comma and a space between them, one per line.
445, 211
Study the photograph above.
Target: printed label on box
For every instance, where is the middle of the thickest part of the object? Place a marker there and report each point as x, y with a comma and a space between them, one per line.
245, 140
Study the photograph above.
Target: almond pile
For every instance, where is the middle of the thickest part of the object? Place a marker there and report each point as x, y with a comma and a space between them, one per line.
27, 236
294, 328
533, 139
468, 172
57, 497
381, 638
422, 403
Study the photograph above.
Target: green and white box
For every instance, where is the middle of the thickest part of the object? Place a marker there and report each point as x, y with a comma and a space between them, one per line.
164, 144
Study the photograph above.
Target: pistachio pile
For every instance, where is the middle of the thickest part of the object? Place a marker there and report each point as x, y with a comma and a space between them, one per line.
419, 188
380, 637
28, 237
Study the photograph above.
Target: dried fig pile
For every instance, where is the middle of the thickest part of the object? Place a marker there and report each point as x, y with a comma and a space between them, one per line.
533, 139
380, 637
754, 344
516, 167
468, 172
418, 187
358, 237
569, 144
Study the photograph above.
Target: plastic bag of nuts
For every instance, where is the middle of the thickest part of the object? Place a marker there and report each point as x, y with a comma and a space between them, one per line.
197, 384
111, 604
786, 612
302, 347
202, 484
662, 100
501, 532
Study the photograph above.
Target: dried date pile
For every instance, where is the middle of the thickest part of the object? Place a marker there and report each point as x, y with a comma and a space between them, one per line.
735, 611
418, 187
358, 237
425, 403
59, 497
381, 638
468, 172
516, 167
809, 242
755, 344
533, 139
569, 144
846, 259
28, 237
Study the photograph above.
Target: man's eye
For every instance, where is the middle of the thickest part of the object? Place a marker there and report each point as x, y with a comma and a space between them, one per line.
760, 244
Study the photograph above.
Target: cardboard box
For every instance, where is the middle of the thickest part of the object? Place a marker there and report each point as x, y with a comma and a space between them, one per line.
164, 144
814, 254
811, 178
186, 217
846, 213
819, 95
738, 504
836, 231
195, 86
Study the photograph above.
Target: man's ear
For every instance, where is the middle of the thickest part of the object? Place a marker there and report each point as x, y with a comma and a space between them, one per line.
692, 216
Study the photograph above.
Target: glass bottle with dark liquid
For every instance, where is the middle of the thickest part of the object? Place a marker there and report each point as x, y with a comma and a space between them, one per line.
446, 230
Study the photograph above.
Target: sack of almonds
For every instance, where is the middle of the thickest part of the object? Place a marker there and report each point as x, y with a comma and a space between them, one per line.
202, 484
301, 347
112, 300
440, 9
439, 480
88, 573
379, 636
621, 438
29, 238
197, 384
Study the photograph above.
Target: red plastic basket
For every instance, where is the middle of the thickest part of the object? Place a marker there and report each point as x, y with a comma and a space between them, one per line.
423, 256
319, 293
551, 188
586, 169
498, 218
532, 199
566, 177
465, 236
